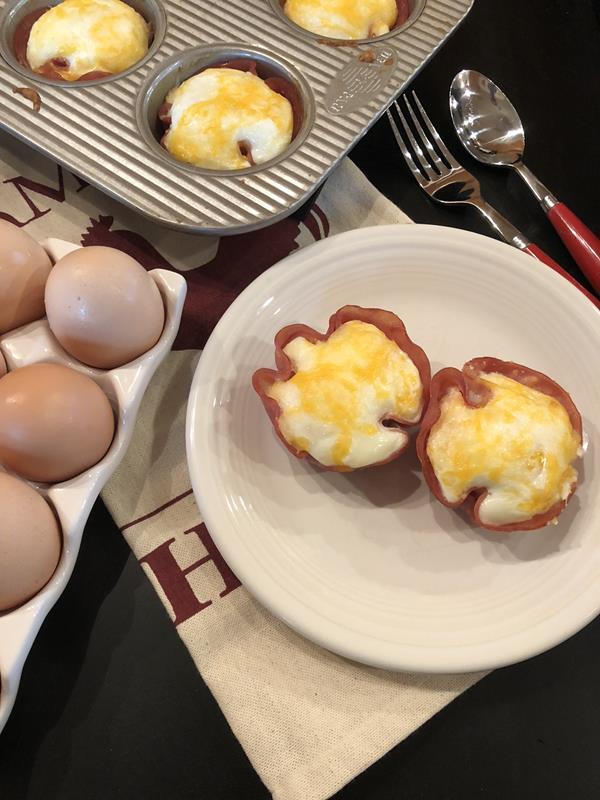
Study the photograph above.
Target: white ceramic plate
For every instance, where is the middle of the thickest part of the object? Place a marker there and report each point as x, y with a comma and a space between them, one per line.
73, 499
368, 564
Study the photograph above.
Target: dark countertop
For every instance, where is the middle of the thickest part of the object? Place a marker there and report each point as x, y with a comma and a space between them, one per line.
111, 705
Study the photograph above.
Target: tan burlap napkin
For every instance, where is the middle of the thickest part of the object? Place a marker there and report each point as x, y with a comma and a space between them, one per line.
308, 720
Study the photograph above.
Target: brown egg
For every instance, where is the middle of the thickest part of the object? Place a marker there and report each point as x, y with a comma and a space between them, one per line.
24, 269
3, 367
54, 422
103, 307
30, 542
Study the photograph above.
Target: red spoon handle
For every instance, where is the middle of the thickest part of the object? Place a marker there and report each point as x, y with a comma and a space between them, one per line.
579, 240
538, 253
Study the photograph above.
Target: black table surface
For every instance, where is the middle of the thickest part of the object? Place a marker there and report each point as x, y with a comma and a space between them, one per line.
111, 705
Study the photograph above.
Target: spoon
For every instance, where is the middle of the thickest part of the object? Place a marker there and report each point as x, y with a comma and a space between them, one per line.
490, 129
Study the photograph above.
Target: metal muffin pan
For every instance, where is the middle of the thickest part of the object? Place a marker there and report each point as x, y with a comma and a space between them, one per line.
103, 130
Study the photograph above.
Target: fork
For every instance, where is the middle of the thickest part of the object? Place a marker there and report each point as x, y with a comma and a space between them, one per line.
446, 181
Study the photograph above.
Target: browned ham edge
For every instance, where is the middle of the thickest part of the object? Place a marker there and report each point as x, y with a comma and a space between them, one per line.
164, 114
29, 94
21, 37
246, 151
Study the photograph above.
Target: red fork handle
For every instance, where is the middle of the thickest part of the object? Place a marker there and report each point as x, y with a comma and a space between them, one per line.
579, 240
538, 253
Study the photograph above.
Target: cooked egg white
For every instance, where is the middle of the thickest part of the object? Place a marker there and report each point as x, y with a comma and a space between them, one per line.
519, 446
343, 19
92, 35
216, 111
343, 387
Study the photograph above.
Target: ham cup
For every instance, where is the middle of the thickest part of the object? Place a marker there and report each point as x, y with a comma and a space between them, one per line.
82, 40
343, 398
499, 439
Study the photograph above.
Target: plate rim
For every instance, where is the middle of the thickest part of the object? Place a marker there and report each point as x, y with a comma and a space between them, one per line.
271, 277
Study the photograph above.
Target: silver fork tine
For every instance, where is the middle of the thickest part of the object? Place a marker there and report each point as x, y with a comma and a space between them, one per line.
425, 165
443, 149
437, 161
405, 151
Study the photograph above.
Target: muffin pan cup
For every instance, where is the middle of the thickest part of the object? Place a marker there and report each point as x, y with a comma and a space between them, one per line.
102, 130
72, 500
173, 71
151, 10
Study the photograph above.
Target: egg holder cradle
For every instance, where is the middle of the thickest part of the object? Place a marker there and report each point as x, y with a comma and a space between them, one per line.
72, 500
106, 130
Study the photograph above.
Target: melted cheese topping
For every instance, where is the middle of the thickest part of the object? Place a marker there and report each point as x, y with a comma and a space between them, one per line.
343, 19
343, 387
519, 446
216, 110
103, 35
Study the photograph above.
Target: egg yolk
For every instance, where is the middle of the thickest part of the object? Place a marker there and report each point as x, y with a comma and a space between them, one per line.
343, 19
519, 446
220, 113
342, 388
91, 35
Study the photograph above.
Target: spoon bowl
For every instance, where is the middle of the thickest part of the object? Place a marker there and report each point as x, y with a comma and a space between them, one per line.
490, 129
485, 120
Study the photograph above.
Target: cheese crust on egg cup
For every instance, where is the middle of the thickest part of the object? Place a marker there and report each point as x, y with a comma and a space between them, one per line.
277, 83
390, 325
403, 13
475, 395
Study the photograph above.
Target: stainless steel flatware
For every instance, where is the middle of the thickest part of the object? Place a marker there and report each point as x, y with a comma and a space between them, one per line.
439, 175
490, 128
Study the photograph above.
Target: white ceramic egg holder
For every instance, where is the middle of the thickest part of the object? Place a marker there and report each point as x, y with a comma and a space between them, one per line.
72, 500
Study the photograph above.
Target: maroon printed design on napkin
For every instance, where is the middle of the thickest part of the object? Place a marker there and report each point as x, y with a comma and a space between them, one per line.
26, 189
213, 286
99, 233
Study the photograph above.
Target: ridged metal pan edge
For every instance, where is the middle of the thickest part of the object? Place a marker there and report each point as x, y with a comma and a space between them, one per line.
93, 130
